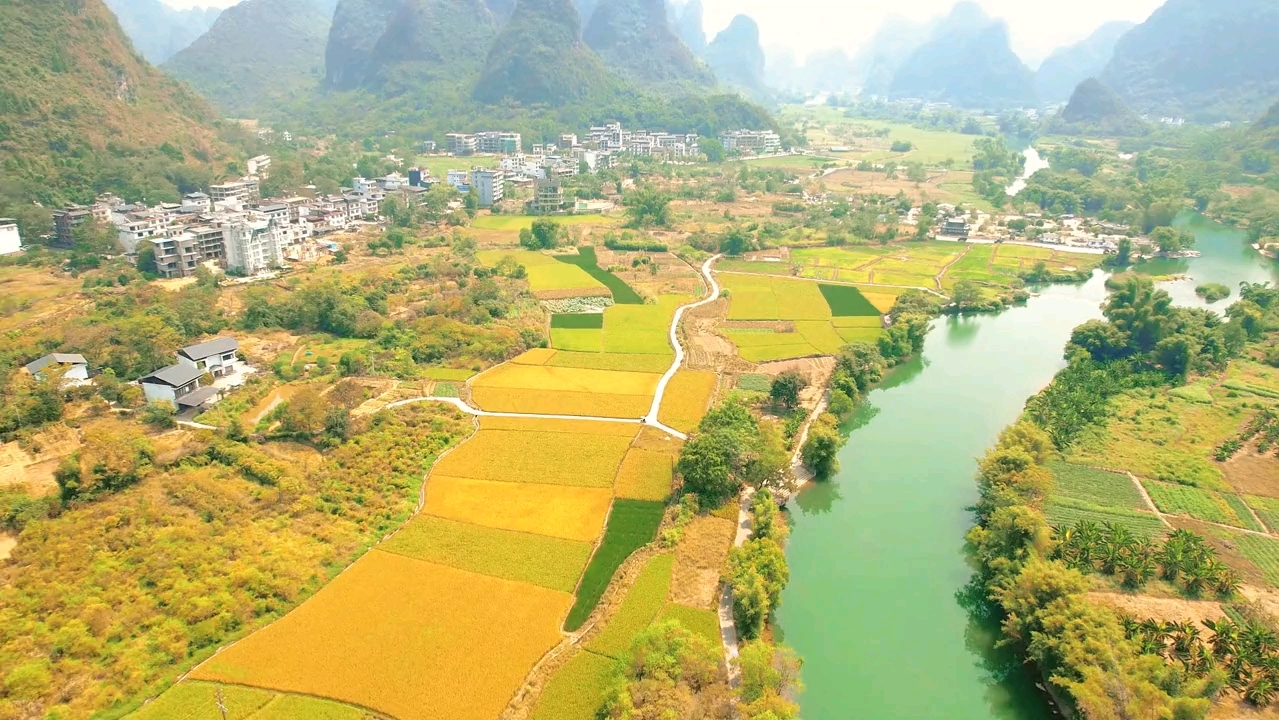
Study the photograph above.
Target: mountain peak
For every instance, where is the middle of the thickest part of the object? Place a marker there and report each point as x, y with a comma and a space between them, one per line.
635, 38
1095, 109
539, 58
1063, 70
737, 57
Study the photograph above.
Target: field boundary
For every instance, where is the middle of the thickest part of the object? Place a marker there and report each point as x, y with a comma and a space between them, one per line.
836, 282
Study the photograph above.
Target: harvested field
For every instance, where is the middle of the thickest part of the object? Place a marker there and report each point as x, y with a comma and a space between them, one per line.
553, 563
547, 458
458, 646
699, 561
632, 524
688, 396
646, 475
643, 602
561, 511
577, 690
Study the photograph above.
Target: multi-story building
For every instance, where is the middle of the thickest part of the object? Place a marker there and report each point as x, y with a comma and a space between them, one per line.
66, 220
752, 142
503, 143
459, 179
568, 141
489, 184
197, 201
461, 143
252, 246
608, 137
246, 190
210, 242
137, 223
177, 256
258, 165
10, 238
548, 196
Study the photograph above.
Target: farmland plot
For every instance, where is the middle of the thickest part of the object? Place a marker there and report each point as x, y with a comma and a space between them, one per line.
646, 475
578, 689
632, 525
565, 391
458, 645
1192, 501
1096, 486
548, 277
643, 602
543, 457
688, 395
562, 511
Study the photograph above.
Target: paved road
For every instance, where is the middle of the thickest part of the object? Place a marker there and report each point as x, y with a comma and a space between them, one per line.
650, 419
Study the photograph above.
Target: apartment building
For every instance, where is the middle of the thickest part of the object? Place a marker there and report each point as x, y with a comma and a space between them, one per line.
489, 184
246, 190
66, 220
252, 246
177, 256
461, 143
548, 196
752, 142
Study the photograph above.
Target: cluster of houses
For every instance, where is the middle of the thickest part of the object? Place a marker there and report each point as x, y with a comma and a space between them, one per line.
178, 384
230, 225
1067, 232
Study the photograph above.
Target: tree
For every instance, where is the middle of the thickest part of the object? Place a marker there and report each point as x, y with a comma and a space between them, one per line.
713, 149
146, 258
545, 234
1139, 310
736, 241
770, 674
822, 446
1123, 255
786, 388
1171, 240
159, 414
965, 294
707, 465
647, 207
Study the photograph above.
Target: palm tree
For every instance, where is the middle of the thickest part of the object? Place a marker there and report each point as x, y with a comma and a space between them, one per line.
1258, 640
1172, 557
1185, 636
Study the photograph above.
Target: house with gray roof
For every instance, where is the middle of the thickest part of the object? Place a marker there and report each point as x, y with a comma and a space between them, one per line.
179, 386
75, 369
216, 357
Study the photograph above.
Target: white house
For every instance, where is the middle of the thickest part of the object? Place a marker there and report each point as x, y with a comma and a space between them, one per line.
252, 246
75, 369
10, 239
216, 357
176, 385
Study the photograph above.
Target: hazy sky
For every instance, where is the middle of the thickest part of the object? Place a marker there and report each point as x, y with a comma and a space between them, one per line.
1038, 26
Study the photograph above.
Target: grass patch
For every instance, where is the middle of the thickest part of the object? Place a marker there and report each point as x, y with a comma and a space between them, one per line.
1195, 502
643, 602
1266, 508
755, 382
847, 301
1241, 511
439, 373
446, 390
549, 562
548, 457
558, 511
545, 273
623, 294
577, 690
578, 321
519, 222
1065, 512
1097, 487
700, 622
472, 640
632, 525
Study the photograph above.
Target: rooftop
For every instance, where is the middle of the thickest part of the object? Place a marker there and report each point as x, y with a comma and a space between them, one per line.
173, 376
216, 346
36, 366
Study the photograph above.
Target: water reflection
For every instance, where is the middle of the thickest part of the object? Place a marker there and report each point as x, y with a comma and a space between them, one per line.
961, 331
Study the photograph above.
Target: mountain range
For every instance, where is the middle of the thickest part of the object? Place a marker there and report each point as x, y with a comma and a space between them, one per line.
1095, 109
259, 53
1204, 60
539, 58
159, 31
635, 39
966, 61
1063, 70
737, 57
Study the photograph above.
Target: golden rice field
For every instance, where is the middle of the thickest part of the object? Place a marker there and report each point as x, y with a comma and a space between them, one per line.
411, 639
546, 458
760, 297
688, 395
195, 700
596, 360
565, 425
562, 511
535, 377
550, 402
553, 563
646, 475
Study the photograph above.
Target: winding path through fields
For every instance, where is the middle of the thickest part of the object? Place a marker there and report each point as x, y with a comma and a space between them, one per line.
654, 410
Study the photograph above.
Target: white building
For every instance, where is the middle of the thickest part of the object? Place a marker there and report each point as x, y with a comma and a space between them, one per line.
752, 142
245, 190
259, 165
252, 246
459, 179
75, 369
172, 384
10, 238
216, 357
489, 184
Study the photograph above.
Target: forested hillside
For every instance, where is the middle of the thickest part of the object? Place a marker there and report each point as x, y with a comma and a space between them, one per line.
82, 113
260, 53
1063, 70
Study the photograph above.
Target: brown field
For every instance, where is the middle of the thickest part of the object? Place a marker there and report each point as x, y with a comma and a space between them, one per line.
699, 560
941, 185
408, 638
30, 295
572, 513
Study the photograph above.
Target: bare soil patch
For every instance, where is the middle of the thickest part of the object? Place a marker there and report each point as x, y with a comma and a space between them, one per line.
7, 544
35, 464
706, 349
1234, 708
699, 561
1160, 608
781, 326
1251, 473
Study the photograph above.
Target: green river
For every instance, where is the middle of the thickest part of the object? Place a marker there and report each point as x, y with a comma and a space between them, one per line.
878, 603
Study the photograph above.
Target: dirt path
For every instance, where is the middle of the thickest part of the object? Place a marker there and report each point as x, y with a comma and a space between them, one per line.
942, 273
1150, 505
727, 626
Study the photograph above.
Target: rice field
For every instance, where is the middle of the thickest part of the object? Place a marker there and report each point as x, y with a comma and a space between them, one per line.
646, 475
631, 525
545, 457
549, 390
471, 638
1096, 486
643, 602
700, 622
560, 511
197, 700
756, 297
812, 308
847, 301
612, 361
545, 273
623, 294
519, 222
578, 689
688, 395
548, 402
578, 321
1263, 552
550, 562
578, 427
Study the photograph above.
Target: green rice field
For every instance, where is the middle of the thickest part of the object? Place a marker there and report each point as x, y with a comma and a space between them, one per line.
1065, 512
632, 524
